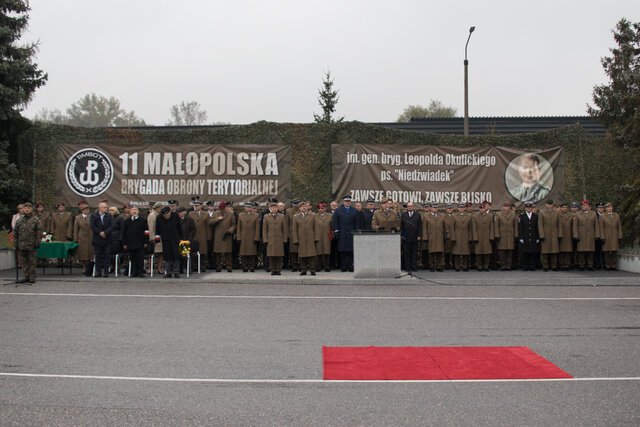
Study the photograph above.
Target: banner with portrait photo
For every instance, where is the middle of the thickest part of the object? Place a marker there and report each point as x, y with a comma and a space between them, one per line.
447, 174
160, 172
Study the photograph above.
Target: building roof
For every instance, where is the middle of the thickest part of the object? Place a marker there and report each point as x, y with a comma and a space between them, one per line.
496, 125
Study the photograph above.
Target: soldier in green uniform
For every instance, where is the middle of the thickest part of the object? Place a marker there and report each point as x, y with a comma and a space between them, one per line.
566, 243
550, 230
27, 235
506, 231
611, 235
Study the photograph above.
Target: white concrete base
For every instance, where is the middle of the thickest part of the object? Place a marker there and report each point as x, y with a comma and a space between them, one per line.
7, 260
630, 263
376, 255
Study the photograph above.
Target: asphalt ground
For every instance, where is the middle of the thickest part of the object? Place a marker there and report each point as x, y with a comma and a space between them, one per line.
246, 349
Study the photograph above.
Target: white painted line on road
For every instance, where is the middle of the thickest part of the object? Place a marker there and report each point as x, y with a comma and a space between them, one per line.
302, 381
312, 297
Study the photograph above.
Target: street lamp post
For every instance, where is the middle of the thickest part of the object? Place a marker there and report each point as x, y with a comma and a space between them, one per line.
466, 85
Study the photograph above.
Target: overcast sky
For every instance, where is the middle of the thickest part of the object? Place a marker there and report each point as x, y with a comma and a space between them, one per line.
246, 61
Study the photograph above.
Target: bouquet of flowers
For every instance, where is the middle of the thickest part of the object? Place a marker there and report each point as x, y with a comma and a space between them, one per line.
47, 237
184, 248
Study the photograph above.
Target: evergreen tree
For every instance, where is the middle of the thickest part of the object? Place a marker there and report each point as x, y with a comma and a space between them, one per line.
19, 75
617, 106
617, 103
19, 79
328, 100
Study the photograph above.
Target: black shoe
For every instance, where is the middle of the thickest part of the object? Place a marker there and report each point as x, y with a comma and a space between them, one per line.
98, 275
244, 270
313, 273
278, 273
344, 269
167, 276
229, 270
328, 270
273, 273
304, 273
176, 275
142, 276
268, 270
218, 270
294, 270
252, 270
31, 280
439, 269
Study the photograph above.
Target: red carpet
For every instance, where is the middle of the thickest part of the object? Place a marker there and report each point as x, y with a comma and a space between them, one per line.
436, 363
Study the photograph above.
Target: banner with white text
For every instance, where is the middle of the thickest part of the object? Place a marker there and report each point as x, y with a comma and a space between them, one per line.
447, 174
160, 172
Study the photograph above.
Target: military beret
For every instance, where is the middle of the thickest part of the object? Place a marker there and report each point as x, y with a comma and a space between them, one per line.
468, 204
575, 204
60, 204
585, 202
549, 202
222, 205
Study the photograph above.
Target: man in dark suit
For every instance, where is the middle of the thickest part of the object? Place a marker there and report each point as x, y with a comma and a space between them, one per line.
529, 237
345, 221
411, 229
135, 235
168, 227
101, 226
367, 215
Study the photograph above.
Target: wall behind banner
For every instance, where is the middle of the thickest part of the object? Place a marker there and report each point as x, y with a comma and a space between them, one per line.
593, 167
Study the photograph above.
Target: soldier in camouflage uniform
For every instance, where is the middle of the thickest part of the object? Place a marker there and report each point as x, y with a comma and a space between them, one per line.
27, 236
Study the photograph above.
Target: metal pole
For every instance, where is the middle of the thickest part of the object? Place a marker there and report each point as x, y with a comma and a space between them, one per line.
466, 85
466, 98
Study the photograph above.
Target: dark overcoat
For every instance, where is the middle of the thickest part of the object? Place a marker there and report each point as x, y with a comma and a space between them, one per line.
344, 223
98, 225
133, 233
528, 233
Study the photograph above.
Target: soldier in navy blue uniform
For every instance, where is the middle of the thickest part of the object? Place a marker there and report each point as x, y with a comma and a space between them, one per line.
529, 237
345, 221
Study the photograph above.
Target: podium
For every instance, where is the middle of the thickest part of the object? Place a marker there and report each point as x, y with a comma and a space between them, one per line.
376, 254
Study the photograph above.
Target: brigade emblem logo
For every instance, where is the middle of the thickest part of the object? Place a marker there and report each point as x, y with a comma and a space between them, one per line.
89, 172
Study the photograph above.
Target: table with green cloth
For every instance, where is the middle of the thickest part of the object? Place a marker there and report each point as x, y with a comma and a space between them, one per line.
59, 250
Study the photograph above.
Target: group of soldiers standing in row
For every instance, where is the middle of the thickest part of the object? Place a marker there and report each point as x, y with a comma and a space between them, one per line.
559, 236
